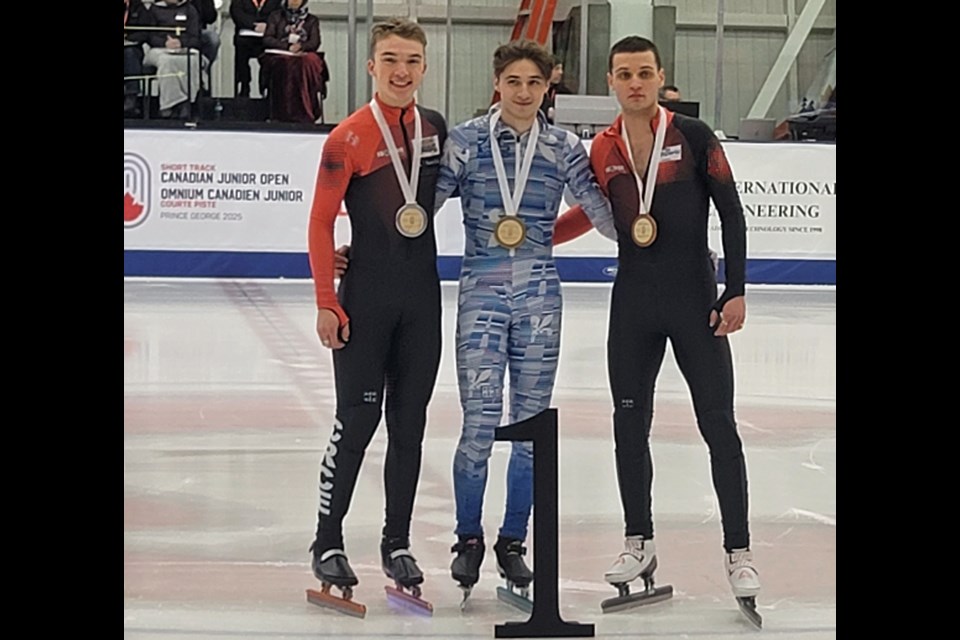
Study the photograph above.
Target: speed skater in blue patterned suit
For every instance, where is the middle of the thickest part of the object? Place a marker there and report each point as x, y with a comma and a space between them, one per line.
510, 168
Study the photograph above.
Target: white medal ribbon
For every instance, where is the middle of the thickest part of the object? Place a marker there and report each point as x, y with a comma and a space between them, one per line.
409, 188
646, 195
511, 203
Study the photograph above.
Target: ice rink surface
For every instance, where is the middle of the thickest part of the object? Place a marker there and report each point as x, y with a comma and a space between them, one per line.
228, 404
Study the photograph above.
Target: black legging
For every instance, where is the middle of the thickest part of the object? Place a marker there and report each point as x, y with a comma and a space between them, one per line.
651, 303
394, 348
246, 49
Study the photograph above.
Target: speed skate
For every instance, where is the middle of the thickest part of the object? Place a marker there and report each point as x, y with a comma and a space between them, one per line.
638, 560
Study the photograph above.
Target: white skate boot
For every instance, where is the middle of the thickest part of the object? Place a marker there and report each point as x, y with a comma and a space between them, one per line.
745, 582
639, 556
743, 576
638, 560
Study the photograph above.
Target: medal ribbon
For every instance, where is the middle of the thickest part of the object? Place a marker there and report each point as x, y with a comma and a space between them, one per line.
646, 196
409, 188
511, 203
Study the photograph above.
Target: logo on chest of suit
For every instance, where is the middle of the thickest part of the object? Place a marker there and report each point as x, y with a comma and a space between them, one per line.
671, 154
430, 147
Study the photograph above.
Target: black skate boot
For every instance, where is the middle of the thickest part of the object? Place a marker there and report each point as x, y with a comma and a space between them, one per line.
511, 566
465, 568
332, 569
400, 566
398, 563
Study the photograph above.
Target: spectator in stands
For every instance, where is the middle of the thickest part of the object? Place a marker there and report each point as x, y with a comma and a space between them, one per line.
171, 46
209, 35
292, 70
134, 14
670, 93
250, 23
556, 86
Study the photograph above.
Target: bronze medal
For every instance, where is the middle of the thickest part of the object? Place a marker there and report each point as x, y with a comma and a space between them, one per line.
411, 220
510, 232
644, 230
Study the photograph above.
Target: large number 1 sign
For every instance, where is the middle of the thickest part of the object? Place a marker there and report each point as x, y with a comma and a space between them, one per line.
545, 619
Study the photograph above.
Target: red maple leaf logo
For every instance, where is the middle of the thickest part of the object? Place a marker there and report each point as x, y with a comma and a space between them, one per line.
131, 208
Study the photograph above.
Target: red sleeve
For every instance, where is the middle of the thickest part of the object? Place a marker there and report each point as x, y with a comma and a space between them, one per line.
332, 180
574, 222
571, 224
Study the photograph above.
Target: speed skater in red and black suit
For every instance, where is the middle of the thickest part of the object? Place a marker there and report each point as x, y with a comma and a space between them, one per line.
660, 171
383, 323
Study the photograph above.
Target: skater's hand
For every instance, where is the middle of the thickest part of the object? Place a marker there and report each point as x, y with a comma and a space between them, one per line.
341, 260
259, 27
328, 328
731, 317
296, 48
173, 43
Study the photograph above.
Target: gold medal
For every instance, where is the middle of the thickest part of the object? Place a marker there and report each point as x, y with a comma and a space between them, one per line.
411, 220
510, 232
644, 230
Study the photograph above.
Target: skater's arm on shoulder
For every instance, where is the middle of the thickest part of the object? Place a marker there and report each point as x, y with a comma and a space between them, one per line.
570, 225
452, 168
583, 184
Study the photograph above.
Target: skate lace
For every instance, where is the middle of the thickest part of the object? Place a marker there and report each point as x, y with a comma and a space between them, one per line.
636, 548
742, 559
401, 553
470, 544
329, 553
516, 548
513, 548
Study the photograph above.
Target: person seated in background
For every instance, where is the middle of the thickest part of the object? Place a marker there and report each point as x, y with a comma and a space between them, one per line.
670, 93
555, 86
250, 23
170, 50
134, 14
291, 69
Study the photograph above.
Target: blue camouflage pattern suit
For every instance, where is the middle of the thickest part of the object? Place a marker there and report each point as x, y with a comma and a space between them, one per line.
510, 304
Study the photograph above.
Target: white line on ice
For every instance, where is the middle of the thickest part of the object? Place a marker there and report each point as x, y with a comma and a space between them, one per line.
813, 515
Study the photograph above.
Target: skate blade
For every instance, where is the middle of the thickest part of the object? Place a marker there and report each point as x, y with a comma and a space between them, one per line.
466, 594
748, 606
621, 603
514, 600
408, 601
328, 601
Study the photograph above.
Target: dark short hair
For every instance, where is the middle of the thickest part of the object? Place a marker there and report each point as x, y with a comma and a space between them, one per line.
507, 54
634, 44
400, 27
